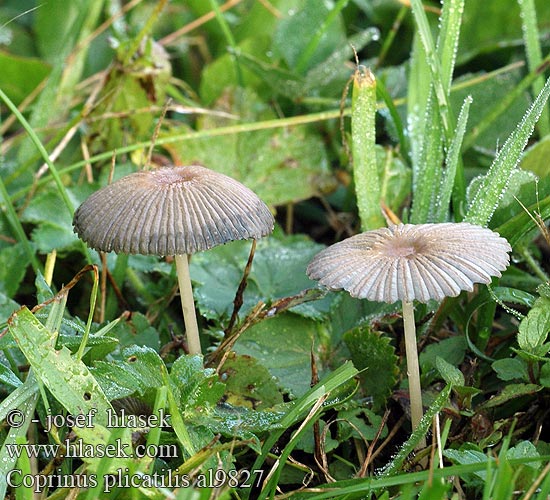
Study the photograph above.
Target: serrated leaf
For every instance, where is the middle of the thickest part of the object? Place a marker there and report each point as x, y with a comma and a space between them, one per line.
465, 457
196, 386
68, 379
374, 356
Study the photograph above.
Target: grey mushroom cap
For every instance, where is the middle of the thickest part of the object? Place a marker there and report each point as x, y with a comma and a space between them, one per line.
412, 262
171, 211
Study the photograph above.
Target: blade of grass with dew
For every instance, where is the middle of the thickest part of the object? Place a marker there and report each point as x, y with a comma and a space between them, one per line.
428, 172
68, 379
440, 61
452, 161
418, 434
495, 181
365, 169
15, 434
531, 38
438, 79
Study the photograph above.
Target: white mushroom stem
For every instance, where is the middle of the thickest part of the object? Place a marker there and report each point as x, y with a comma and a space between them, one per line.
413, 369
188, 304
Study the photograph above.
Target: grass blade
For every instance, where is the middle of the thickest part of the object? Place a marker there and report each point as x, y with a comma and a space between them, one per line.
452, 162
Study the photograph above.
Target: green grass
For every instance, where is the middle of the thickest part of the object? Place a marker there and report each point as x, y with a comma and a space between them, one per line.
311, 400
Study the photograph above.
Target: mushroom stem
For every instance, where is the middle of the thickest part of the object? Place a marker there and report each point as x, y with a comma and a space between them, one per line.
413, 370
188, 305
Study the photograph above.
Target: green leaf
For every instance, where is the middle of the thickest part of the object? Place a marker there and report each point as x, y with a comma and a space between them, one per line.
53, 220
359, 423
450, 374
197, 387
248, 383
140, 369
278, 271
534, 328
365, 170
7, 377
452, 350
511, 391
68, 379
510, 369
283, 345
374, 356
464, 457
239, 422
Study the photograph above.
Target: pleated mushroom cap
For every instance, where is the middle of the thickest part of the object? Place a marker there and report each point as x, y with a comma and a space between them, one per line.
412, 262
171, 211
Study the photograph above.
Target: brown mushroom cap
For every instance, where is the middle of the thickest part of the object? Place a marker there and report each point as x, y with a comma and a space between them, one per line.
412, 262
171, 211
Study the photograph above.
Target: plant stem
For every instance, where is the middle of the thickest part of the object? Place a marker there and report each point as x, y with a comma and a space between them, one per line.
413, 370
188, 305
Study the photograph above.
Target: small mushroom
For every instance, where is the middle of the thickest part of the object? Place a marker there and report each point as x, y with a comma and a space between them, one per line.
409, 262
172, 211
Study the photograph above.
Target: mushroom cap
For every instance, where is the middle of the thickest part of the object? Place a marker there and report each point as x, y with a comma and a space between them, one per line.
171, 211
412, 262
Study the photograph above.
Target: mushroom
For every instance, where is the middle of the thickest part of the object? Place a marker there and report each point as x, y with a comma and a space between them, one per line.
172, 211
409, 262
